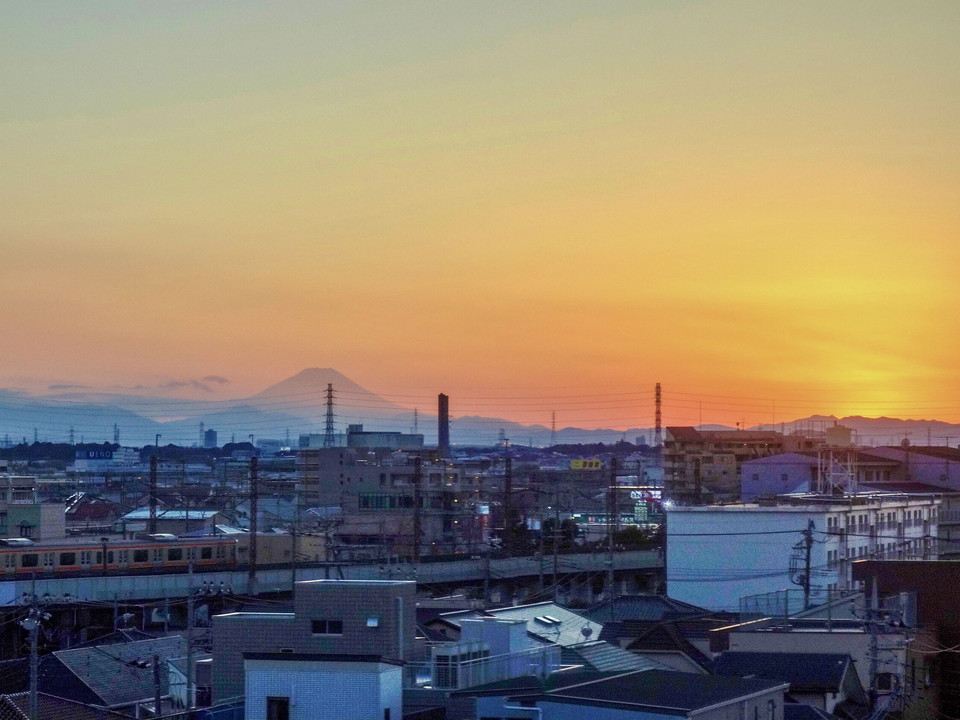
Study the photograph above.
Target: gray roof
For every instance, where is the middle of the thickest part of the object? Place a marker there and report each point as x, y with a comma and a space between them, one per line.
670, 691
50, 707
603, 657
122, 674
546, 621
643, 607
817, 672
144, 514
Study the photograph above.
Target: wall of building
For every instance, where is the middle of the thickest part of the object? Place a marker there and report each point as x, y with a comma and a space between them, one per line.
324, 690
350, 603
718, 554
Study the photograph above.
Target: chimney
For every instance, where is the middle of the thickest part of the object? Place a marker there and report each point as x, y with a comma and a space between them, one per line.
443, 430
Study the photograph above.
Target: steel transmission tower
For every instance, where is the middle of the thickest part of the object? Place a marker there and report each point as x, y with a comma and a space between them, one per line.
329, 438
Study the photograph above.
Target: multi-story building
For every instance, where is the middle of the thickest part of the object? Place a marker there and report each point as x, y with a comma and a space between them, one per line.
704, 465
333, 617
23, 515
718, 554
384, 505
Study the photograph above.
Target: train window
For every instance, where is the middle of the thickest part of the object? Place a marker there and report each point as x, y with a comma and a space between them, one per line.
68, 558
48, 559
156, 555
175, 554
191, 553
206, 553
85, 557
220, 553
139, 555
28, 560
10, 560
110, 556
124, 556
99, 557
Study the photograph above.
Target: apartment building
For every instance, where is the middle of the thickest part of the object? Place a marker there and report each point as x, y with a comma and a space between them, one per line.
718, 554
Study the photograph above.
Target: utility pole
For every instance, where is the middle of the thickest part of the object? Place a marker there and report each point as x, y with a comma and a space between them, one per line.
156, 686
611, 511
190, 670
254, 494
553, 428
808, 544
417, 500
32, 624
153, 495
508, 507
873, 617
556, 542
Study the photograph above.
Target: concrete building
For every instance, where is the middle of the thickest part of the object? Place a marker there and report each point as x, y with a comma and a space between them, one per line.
23, 515
718, 554
357, 437
322, 686
377, 491
330, 617
704, 465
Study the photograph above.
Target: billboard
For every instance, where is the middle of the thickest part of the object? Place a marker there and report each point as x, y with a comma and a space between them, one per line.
581, 464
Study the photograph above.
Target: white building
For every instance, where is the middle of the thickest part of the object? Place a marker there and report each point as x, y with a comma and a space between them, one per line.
297, 686
718, 554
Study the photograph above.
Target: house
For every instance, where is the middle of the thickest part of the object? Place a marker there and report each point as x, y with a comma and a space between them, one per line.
646, 695
119, 677
330, 617
828, 681
322, 686
51, 707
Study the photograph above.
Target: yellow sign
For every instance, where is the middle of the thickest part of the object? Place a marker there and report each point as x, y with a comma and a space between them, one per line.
586, 464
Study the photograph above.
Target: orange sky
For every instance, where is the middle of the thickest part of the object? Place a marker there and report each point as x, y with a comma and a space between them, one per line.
495, 200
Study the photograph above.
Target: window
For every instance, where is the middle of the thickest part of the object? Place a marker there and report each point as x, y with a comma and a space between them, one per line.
140, 556
28, 560
326, 627
68, 558
278, 708
175, 554
206, 553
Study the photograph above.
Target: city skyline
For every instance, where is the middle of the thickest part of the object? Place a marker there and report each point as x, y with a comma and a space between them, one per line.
753, 205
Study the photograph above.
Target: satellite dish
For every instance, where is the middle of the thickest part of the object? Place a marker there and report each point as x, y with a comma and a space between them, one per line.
586, 631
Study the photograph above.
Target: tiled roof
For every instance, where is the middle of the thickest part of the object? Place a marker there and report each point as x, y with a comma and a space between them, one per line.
817, 672
601, 656
50, 707
801, 711
122, 673
670, 690
666, 636
642, 607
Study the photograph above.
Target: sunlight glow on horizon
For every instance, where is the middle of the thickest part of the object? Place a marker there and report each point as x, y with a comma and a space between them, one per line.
490, 201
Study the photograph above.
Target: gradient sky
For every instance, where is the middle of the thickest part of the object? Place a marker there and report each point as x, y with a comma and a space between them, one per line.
496, 200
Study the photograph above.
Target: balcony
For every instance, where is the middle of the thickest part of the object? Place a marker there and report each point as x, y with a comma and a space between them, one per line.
451, 668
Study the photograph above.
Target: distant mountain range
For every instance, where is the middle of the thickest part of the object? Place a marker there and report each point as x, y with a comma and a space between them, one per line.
298, 405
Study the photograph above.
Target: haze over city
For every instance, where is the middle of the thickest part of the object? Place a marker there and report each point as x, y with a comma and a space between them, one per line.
532, 207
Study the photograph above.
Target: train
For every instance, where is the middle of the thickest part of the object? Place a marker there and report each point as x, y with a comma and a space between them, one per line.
144, 553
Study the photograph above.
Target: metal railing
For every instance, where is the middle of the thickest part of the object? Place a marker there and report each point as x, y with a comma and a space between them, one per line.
438, 673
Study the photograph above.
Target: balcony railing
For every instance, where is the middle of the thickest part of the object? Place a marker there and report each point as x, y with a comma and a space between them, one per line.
442, 673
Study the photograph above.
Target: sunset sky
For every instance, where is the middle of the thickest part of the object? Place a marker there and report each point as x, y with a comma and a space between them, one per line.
756, 204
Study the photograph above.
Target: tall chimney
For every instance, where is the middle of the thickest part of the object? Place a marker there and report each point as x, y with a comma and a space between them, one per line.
443, 420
